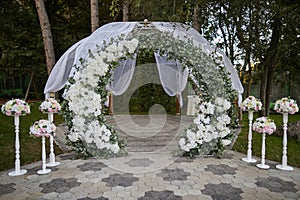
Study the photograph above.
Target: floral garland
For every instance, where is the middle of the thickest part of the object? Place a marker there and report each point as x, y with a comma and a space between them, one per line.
15, 107
50, 105
264, 125
85, 94
251, 104
85, 99
286, 105
210, 126
42, 128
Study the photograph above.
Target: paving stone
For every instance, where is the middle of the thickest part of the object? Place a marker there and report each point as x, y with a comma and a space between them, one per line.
124, 180
7, 188
275, 184
221, 169
162, 195
142, 162
291, 195
91, 166
88, 198
222, 191
173, 174
59, 185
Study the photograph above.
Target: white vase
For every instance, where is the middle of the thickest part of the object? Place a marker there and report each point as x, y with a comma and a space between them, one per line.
43, 170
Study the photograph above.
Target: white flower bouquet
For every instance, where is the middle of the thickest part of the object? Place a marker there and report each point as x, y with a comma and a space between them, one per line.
264, 125
251, 104
42, 128
15, 107
286, 105
50, 105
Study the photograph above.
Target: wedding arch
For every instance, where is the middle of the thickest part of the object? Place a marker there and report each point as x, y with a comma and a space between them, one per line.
105, 61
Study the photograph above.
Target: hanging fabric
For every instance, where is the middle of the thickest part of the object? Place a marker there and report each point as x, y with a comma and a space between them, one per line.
122, 76
172, 77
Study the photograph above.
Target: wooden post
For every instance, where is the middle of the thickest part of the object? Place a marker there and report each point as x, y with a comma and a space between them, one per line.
110, 103
177, 105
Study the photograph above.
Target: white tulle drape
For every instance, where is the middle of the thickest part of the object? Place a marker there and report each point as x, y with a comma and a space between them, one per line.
172, 77
186, 33
65, 66
121, 77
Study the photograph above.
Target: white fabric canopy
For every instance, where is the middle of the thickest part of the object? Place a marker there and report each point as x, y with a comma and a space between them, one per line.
66, 65
172, 77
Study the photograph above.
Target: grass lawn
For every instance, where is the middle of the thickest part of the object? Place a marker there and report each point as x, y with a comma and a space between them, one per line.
273, 143
30, 147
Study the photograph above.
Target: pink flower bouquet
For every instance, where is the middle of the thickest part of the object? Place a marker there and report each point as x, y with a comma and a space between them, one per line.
15, 107
286, 105
42, 128
251, 104
264, 125
50, 105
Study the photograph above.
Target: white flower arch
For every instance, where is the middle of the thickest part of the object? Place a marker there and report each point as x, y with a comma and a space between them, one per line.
85, 93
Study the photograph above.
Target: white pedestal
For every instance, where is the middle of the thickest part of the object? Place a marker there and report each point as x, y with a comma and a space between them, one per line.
284, 165
51, 162
43, 170
262, 165
249, 158
17, 171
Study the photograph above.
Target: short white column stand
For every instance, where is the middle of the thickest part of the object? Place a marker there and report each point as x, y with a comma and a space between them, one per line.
17, 170
284, 165
51, 162
249, 158
43, 170
263, 151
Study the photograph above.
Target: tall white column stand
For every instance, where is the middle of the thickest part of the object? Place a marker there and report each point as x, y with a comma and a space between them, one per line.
43, 170
284, 165
249, 158
263, 151
51, 162
17, 170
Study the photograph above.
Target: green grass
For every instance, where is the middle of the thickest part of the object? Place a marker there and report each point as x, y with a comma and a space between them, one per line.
30, 147
273, 143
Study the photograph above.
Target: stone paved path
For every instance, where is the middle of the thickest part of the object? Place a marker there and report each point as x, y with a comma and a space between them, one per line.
156, 175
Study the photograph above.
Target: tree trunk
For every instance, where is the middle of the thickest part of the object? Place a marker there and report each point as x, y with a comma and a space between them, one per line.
94, 15
125, 10
46, 33
272, 52
197, 21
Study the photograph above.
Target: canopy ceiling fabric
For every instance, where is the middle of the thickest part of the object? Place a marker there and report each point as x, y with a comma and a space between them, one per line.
66, 65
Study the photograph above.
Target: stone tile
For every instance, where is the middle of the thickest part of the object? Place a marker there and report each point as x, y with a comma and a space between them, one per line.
7, 188
124, 180
141, 162
275, 184
173, 174
91, 166
165, 195
221, 169
59, 185
222, 191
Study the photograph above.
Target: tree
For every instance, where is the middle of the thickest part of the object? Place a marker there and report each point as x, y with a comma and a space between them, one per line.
46, 33
94, 15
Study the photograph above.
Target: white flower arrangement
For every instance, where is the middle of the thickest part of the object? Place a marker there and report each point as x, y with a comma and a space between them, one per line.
50, 105
86, 93
251, 104
15, 107
86, 103
210, 124
264, 125
42, 128
286, 105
